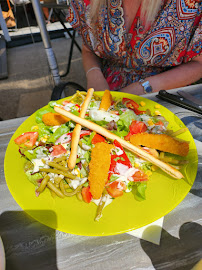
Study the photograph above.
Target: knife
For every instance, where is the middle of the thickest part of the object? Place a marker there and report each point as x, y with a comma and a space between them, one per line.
181, 101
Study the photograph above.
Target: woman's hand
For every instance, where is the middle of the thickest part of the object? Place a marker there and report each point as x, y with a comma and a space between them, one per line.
94, 75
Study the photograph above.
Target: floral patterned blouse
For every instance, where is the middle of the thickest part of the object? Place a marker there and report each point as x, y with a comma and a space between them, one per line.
174, 37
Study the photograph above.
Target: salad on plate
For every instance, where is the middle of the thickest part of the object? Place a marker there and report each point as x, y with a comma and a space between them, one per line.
99, 148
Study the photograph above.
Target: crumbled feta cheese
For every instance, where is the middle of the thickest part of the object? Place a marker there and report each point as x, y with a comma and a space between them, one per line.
118, 151
99, 115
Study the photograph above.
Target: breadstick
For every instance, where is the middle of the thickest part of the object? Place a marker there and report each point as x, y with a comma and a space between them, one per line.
77, 131
104, 132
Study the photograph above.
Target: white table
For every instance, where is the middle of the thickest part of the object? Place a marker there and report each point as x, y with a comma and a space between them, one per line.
31, 245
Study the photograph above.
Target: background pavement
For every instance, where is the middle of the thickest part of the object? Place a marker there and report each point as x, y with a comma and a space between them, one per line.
29, 84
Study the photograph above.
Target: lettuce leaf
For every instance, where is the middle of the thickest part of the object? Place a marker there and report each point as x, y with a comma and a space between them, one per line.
87, 156
132, 157
30, 154
43, 130
75, 112
120, 133
33, 177
124, 122
83, 172
89, 139
119, 105
126, 119
100, 123
113, 178
36, 152
140, 190
146, 166
58, 133
52, 104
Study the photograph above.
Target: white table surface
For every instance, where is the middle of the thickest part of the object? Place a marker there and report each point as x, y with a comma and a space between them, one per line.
31, 245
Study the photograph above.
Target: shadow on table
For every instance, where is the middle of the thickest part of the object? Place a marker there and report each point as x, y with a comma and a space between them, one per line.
173, 253
197, 186
194, 124
28, 244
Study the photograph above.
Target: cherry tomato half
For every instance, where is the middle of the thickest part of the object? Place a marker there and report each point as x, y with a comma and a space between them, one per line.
135, 128
86, 194
58, 150
28, 139
116, 188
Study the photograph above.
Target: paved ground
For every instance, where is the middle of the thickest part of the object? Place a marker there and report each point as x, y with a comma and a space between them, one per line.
30, 83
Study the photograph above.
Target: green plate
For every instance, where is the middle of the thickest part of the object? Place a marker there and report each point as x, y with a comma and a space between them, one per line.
125, 213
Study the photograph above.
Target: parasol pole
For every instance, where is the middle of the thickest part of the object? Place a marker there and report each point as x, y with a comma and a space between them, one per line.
46, 41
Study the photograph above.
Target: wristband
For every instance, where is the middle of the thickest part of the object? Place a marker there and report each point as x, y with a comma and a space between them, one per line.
92, 69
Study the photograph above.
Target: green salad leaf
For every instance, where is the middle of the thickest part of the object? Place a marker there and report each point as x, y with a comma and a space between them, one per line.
30, 154
37, 152
43, 130
52, 104
87, 140
87, 156
33, 177
126, 119
140, 190
58, 133
120, 133
113, 178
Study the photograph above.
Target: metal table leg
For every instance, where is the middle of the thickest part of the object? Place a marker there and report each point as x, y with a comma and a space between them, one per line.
46, 41
59, 85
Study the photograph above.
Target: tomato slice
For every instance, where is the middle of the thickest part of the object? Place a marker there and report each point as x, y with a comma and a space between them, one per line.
159, 123
97, 138
85, 133
65, 102
130, 102
132, 105
86, 194
127, 137
116, 188
58, 150
135, 128
119, 162
28, 139
139, 176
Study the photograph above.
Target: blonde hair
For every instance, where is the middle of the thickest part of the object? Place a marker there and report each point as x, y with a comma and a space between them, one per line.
149, 9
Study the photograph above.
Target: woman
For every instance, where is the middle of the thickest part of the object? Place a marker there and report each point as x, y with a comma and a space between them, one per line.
139, 46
